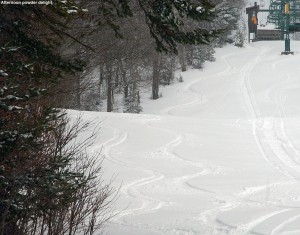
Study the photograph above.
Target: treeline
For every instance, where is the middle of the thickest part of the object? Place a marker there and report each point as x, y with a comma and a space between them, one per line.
123, 61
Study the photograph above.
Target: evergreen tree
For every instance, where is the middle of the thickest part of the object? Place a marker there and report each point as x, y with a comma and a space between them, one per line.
239, 38
229, 18
132, 103
166, 20
199, 54
38, 182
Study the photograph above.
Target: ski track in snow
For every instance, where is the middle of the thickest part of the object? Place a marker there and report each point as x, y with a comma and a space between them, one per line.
271, 139
263, 128
198, 98
272, 142
270, 134
285, 222
132, 189
169, 149
226, 204
287, 145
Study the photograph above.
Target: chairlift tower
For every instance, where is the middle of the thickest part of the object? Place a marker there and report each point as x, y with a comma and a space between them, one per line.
275, 15
285, 14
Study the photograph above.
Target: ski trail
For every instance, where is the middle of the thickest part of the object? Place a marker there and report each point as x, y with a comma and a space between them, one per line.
135, 189
132, 189
223, 204
272, 142
278, 229
264, 129
169, 150
180, 139
176, 182
270, 137
286, 142
246, 85
117, 139
282, 145
280, 218
249, 227
149, 204
284, 150
198, 98
230, 203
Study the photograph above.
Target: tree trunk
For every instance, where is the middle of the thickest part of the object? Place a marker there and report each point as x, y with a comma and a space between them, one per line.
109, 88
101, 80
155, 77
124, 80
78, 93
182, 58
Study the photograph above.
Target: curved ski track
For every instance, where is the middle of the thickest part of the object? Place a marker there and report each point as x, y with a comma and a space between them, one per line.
271, 139
198, 98
131, 189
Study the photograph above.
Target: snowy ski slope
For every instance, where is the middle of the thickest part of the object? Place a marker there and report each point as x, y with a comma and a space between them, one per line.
217, 154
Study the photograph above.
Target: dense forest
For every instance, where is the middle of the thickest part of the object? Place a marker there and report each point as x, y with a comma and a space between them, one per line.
80, 55
131, 57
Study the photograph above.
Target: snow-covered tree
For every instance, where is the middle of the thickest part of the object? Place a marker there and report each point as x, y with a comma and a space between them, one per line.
239, 38
197, 55
229, 18
132, 102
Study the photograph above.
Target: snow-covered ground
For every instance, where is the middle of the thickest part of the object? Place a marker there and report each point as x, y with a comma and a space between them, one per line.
217, 154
